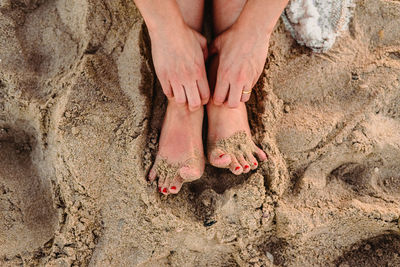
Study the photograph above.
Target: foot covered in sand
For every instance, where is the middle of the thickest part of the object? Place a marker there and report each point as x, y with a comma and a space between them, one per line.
180, 156
229, 139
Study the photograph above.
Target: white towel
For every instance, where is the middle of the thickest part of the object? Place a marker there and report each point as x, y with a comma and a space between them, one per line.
317, 23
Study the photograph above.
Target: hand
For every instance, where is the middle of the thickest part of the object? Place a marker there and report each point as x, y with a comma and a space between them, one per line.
179, 54
242, 54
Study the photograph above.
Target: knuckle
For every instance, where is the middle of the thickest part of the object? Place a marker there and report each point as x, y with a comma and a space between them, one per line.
180, 100
233, 104
205, 95
241, 76
223, 74
194, 106
219, 99
167, 92
246, 98
197, 70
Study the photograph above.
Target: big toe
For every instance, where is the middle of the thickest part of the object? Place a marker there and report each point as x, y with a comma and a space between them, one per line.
190, 173
176, 185
152, 175
219, 158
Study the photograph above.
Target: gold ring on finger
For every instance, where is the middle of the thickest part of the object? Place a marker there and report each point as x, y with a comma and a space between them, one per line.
246, 92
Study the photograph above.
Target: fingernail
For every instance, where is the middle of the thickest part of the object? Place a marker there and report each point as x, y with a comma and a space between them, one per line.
164, 190
173, 187
246, 166
237, 168
220, 156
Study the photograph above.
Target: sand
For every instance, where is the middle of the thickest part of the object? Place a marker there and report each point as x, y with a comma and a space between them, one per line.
81, 111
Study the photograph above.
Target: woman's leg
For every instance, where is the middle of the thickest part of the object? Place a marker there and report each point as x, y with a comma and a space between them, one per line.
180, 156
229, 137
192, 12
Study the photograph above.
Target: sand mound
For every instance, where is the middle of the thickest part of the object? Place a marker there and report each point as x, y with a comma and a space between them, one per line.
80, 114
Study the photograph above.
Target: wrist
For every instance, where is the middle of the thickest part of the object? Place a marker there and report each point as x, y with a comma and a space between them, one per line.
261, 16
252, 30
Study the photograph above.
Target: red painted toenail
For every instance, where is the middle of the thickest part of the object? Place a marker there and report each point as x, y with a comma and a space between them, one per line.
165, 190
237, 168
255, 163
220, 156
246, 166
173, 187
159, 189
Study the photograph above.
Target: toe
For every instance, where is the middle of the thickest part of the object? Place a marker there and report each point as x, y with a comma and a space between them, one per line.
163, 184
251, 160
190, 173
235, 167
220, 159
152, 175
242, 161
176, 185
260, 154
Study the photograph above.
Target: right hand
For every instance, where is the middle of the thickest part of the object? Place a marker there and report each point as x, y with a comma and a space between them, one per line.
179, 56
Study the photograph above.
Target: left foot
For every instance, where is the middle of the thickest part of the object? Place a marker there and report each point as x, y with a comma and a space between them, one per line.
229, 139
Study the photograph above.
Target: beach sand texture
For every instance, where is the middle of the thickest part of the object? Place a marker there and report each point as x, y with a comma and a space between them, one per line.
80, 114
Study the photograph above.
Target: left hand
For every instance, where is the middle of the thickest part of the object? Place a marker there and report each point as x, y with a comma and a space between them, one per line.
242, 54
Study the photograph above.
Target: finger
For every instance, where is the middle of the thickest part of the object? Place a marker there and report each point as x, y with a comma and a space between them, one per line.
205, 52
235, 93
203, 44
193, 97
204, 88
179, 93
167, 89
245, 96
221, 90
214, 47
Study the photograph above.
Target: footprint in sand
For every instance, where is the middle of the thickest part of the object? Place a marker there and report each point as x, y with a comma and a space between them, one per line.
27, 216
381, 250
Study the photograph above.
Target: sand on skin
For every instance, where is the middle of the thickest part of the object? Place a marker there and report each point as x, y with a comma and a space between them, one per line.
78, 91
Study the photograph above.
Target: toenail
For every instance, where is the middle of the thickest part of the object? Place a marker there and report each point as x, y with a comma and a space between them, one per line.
237, 168
221, 155
164, 190
255, 163
246, 166
173, 187
159, 189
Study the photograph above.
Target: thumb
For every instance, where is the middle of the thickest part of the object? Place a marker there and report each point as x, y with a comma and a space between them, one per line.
214, 47
203, 44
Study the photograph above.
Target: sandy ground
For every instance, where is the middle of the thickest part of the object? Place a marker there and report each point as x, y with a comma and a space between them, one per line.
80, 114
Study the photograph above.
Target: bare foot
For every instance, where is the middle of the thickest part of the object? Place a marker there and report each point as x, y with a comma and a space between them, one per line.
180, 156
229, 139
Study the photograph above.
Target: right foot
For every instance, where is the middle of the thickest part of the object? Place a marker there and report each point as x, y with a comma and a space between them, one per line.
180, 156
